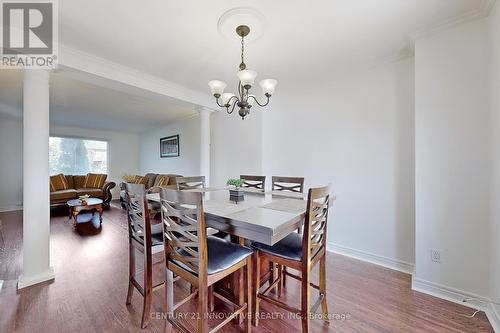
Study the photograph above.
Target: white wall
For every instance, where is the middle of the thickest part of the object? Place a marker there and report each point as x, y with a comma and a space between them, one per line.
123, 156
452, 158
494, 70
236, 145
11, 164
187, 164
357, 134
123, 150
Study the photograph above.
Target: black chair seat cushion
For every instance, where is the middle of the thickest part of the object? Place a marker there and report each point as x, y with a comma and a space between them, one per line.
222, 235
157, 239
156, 235
221, 255
289, 247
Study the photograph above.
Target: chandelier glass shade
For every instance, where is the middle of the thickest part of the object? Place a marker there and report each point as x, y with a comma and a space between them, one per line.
244, 100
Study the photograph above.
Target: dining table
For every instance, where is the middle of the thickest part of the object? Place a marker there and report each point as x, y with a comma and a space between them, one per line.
262, 216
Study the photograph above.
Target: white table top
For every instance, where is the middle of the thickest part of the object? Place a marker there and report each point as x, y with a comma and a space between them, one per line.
262, 216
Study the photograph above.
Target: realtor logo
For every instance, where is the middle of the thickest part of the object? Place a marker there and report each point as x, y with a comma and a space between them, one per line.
29, 34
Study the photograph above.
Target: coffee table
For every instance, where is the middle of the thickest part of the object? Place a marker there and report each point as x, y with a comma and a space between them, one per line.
86, 212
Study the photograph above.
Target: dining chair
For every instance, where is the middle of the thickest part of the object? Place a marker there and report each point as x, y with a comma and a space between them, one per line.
148, 240
291, 184
300, 252
1, 231
257, 182
286, 184
190, 183
199, 259
197, 182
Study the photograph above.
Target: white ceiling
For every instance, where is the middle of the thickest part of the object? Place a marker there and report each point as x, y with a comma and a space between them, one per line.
303, 41
76, 102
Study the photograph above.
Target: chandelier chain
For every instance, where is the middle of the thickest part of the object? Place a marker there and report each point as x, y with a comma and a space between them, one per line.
242, 49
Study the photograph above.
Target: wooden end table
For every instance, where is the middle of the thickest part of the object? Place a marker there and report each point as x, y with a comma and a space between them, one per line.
86, 212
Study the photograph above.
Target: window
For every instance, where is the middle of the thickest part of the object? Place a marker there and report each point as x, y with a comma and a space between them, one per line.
72, 156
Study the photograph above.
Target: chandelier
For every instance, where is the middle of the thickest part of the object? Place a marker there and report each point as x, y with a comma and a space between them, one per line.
244, 100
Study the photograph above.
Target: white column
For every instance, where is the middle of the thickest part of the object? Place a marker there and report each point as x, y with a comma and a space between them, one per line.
36, 210
205, 143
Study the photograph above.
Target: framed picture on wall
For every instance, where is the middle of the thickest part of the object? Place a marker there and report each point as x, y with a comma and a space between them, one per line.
169, 146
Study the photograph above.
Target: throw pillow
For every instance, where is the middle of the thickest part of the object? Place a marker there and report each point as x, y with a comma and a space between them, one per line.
58, 182
141, 180
94, 180
162, 181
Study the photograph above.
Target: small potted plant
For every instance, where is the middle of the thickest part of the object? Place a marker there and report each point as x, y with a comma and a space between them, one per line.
84, 198
236, 194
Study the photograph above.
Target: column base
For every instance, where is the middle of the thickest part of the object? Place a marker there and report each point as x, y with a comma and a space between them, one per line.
27, 281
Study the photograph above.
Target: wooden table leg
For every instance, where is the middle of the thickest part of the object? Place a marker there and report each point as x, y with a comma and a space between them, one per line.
240, 287
75, 216
100, 211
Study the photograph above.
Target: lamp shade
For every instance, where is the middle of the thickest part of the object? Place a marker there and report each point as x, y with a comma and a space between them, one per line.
268, 86
226, 97
247, 77
217, 87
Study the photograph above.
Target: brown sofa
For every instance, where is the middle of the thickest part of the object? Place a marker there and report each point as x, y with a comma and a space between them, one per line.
76, 189
151, 186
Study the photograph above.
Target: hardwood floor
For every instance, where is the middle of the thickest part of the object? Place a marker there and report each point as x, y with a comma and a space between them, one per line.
90, 289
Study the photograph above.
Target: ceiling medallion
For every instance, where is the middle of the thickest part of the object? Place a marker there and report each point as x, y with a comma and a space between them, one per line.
244, 100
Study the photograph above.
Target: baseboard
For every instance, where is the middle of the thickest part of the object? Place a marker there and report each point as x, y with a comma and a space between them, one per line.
372, 258
493, 317
28, 281
449, 294
423, 286
10, 208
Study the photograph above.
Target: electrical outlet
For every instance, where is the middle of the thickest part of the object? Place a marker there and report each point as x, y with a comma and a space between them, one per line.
436, 256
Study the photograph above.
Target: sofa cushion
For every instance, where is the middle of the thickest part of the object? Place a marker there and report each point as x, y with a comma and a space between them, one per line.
172, 179
63, 195
94, 180
69, 180
161, 180
58, 182
151, 179
93, 192
78, 181
141, 180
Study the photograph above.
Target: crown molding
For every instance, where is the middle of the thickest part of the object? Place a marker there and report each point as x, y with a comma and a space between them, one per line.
203, 109
482, 11
407, 50
89, 63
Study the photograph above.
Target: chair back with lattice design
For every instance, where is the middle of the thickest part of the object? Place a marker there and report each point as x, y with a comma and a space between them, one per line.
291, 184
316, 221
184, 232
139, 223
190, 183
257, 182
